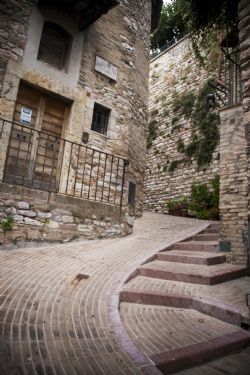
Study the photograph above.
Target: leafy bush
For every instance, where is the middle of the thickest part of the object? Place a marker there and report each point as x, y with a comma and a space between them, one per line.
7, 224
202, 204
178, 206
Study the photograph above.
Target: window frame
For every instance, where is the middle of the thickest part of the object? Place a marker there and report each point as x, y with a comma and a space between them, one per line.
102, 126
66, 37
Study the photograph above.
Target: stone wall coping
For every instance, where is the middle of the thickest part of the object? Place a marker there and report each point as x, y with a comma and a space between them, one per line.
169, 48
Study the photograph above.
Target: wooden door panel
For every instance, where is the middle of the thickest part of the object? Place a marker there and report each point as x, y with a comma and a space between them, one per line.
34, 149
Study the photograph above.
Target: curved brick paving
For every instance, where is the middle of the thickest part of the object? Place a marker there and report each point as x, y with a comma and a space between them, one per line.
163, 308
55, 325
157, 329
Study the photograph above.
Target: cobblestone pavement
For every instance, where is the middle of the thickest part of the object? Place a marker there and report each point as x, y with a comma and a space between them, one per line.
59, 303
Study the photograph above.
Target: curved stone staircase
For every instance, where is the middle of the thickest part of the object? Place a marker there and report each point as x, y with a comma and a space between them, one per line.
186, 305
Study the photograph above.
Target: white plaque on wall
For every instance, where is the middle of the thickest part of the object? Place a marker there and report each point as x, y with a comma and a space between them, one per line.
107, 69
25, 116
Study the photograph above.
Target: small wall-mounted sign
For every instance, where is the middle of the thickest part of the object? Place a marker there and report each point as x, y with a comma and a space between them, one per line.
107, 69
25, 116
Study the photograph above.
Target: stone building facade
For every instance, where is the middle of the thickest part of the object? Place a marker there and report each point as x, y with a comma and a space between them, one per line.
174, 72
235, 141
73, 109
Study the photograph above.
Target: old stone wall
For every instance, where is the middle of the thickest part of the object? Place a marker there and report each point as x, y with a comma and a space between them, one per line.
244, 32
40, 216
121, 37
119, 43
14, 25
233, 185
174, 71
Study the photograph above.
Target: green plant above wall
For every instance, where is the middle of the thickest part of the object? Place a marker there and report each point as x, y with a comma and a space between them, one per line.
204, 123
203, 202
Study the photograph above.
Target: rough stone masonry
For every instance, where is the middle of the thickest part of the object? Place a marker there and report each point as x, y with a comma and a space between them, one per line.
108, 65
174, 71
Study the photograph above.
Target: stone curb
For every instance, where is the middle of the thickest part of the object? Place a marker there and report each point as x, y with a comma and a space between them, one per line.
183, 358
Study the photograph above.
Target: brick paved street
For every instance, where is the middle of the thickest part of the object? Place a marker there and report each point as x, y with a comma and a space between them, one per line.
57, 323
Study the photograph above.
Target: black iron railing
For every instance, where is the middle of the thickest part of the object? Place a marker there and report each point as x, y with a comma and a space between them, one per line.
232, 77
228, 85
41, 160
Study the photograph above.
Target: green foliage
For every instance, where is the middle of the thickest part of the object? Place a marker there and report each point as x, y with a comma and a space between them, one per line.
152, 133
192, 147
200, 15
165, 167
205, 133
7, 224
177, 205
174, 120
180, 145
216, 191
183, 104
202, 20
154, 112
205, 20
202, 203
173, 165
171, 27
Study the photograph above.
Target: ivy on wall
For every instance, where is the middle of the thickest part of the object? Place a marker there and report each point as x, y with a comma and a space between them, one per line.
152, 133
204, 123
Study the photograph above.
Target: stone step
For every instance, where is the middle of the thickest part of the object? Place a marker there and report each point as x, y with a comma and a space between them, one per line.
176, 339
192, 273
210, 230
191, 257
222, 311
170, 362
215, 226
232, 364
215, 300
208, 246
206, 237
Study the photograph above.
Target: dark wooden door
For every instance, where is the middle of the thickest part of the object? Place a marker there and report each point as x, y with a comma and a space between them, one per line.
35, 148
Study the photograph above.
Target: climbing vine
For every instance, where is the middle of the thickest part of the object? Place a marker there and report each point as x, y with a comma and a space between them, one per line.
152, 133
204, 123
